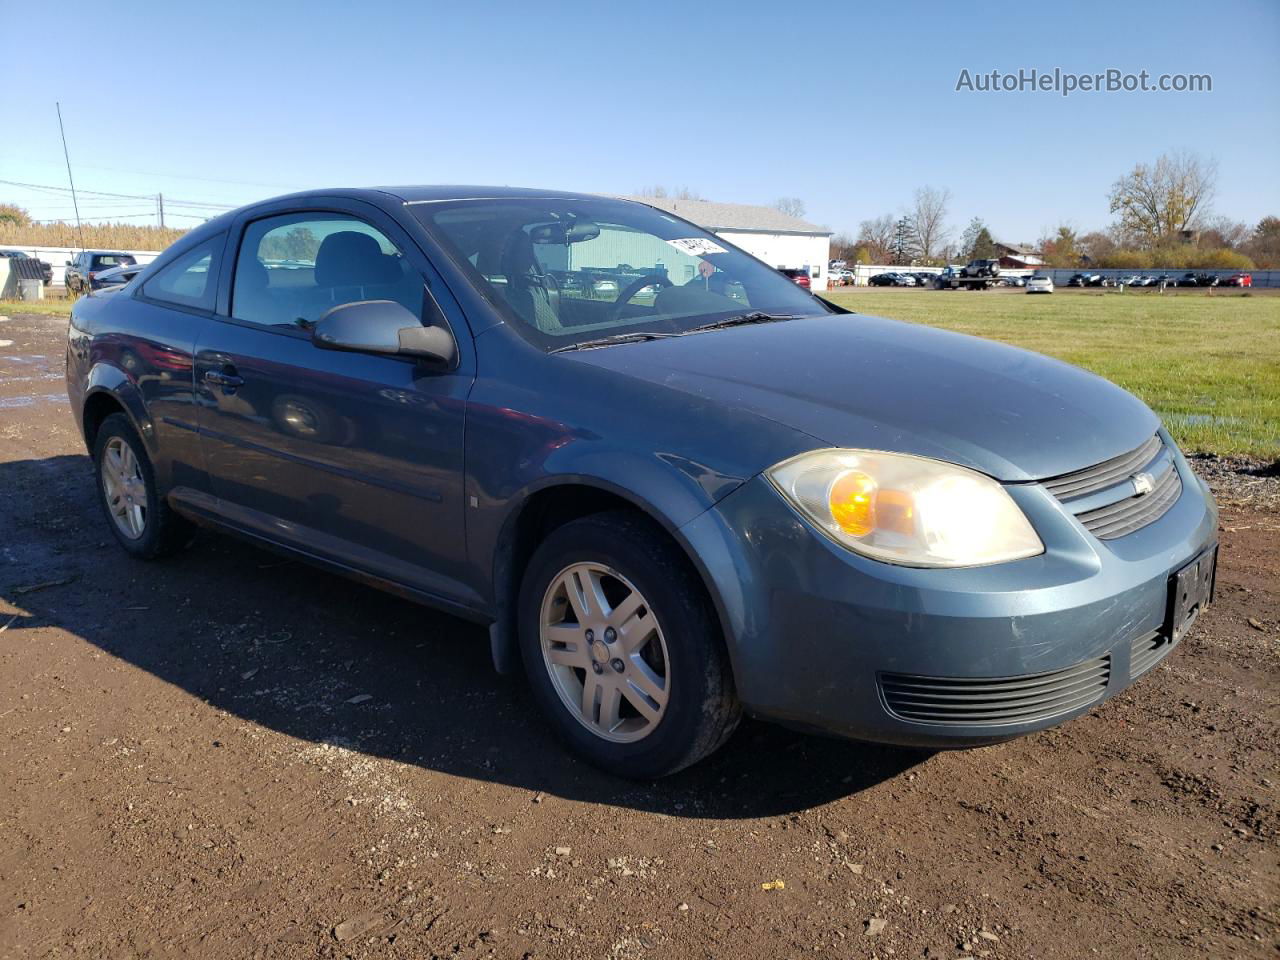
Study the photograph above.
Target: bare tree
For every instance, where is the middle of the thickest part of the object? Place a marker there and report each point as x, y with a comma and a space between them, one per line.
929, 217
876, 237
1156, 203
843, 247
1224, 233
659, 192
791, 206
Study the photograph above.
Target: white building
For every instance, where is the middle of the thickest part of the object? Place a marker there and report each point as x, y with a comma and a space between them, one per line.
777, 238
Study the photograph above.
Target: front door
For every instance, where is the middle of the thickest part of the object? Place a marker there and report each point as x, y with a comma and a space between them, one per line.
355, 458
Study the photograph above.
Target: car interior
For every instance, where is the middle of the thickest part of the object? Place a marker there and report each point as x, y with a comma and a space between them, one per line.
564, 275
347, 265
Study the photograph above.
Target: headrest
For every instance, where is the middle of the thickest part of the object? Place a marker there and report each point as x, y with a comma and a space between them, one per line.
349, 259
252, 275
518, 260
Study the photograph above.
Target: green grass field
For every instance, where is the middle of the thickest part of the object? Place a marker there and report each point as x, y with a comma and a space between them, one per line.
55, 308
1208, 365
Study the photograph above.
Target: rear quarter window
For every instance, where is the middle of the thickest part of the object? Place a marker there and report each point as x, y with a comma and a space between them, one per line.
191, 280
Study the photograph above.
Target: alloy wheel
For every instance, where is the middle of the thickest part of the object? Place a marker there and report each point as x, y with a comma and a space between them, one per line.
605, 652
124, 488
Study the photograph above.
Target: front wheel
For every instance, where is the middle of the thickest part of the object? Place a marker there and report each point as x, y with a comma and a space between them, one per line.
622, 649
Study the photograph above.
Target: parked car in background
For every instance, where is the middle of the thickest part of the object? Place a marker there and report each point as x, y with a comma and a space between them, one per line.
1239, 280
886, 280
83, 269
1190, 279
43, 266
1040, 284
118, 276
1076, 280
798, 275
668, 513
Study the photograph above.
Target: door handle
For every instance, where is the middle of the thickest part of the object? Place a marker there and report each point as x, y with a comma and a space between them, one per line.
226, 379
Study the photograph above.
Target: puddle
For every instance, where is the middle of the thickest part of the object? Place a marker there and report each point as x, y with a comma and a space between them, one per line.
7, 403
42, 376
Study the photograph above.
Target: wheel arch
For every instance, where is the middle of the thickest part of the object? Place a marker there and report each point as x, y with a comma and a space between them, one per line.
550, 506
98, 405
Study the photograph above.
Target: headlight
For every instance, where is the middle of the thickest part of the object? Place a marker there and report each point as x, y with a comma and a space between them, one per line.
907, 510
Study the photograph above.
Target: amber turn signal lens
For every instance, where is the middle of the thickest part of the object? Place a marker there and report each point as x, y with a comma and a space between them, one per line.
853, 503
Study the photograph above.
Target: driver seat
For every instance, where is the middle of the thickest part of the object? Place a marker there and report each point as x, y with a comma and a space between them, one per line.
530, 291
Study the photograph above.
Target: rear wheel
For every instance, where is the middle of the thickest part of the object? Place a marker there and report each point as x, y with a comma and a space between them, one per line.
622, 649
139, 518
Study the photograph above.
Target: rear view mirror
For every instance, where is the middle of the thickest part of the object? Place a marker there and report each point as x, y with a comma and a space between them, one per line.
562, 233
382, 327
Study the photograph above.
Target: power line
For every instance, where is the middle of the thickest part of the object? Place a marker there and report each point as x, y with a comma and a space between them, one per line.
122, 196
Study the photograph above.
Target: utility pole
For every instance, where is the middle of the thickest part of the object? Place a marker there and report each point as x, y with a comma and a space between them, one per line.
74, 203
160, 208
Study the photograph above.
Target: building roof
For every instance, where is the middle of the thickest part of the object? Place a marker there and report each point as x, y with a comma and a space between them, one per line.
1015, 248
734, 216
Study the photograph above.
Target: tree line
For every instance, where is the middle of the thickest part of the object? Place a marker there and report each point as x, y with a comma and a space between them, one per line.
1163, 218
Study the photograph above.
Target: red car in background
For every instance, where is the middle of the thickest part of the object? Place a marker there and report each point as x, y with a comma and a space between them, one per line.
798, 275
1239, 280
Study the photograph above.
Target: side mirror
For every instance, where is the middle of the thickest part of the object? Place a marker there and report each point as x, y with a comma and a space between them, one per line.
382, 327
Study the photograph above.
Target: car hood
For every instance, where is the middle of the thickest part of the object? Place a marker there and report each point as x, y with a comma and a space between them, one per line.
856, 381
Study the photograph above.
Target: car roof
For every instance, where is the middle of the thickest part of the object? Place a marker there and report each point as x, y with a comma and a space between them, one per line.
440, 193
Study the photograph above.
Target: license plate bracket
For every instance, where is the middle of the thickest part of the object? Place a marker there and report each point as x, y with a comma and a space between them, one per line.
1190, 591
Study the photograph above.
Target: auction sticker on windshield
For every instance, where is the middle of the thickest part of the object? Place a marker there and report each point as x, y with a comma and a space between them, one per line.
697, 246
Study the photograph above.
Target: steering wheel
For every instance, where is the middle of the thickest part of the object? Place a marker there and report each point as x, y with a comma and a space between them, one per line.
634, 287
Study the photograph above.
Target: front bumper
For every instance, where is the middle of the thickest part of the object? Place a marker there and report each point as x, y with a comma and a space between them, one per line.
826, 639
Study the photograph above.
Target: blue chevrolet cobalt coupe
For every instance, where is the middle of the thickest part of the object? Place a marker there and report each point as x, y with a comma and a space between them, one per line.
673, 484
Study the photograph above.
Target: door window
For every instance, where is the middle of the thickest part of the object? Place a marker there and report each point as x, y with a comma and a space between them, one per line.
291, 269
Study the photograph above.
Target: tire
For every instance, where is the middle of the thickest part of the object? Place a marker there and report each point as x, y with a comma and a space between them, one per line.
155, 531
684, 649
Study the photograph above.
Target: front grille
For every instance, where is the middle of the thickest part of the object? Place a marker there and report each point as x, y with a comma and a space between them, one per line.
1105, 474
1134, 513
988, 701
1146, 652
1129, 513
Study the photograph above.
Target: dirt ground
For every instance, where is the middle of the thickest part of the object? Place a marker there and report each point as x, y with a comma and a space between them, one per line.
228, 755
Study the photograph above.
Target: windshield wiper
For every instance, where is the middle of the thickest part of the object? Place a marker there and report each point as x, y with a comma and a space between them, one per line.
637, 337
756, 316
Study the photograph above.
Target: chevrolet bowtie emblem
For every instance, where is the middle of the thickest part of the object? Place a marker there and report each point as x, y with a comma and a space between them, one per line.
1143, 483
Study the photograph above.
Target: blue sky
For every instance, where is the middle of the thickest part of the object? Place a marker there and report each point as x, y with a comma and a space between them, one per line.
848, 107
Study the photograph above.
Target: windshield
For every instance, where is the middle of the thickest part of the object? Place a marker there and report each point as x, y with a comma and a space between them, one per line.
567, 271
